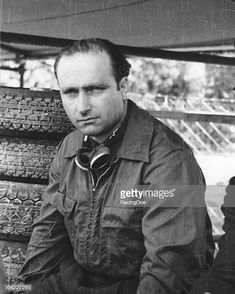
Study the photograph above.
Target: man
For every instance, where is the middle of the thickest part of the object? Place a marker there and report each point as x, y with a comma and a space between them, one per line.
220, 279
85, 241
2, 276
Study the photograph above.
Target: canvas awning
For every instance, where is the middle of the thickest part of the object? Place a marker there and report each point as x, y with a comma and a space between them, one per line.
185, 25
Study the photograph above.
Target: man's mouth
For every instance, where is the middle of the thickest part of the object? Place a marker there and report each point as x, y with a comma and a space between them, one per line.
87, 120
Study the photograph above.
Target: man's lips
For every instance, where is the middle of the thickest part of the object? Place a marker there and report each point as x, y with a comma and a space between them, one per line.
87, 120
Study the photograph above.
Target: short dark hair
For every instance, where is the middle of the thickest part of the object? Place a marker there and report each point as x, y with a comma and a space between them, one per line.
120, 65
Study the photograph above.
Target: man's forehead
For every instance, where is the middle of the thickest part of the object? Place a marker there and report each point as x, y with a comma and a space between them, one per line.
84, 59
85, 68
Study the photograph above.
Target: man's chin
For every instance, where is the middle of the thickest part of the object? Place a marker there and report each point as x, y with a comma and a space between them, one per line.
90, 131
97, 135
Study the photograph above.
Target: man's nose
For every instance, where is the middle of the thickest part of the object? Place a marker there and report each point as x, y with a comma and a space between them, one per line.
83, 103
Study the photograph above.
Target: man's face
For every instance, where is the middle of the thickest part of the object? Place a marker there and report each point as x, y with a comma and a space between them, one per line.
90, 95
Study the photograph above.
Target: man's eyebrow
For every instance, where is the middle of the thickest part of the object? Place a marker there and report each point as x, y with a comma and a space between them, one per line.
69, 90
87, 87
95, 85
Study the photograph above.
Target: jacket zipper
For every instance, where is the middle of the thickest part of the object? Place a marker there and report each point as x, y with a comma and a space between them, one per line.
92, 179
91, 212
100, 177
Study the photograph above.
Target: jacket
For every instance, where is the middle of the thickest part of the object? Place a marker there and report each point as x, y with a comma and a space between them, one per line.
165, 248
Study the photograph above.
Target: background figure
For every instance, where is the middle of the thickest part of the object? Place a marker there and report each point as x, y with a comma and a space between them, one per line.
2, 276
220, 279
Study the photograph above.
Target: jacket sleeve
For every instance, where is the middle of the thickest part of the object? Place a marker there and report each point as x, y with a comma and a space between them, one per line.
49, 243
174, 228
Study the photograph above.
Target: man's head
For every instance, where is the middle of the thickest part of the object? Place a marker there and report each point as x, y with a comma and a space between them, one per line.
91, 75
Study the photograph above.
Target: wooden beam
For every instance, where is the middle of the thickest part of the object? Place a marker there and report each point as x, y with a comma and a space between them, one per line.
196, 116
15, 38
16, 69
127, 50
13, 49
177, 55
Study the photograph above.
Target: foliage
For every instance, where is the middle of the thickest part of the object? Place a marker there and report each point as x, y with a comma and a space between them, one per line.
220, 81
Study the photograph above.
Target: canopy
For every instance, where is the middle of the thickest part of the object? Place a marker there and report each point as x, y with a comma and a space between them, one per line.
186, 25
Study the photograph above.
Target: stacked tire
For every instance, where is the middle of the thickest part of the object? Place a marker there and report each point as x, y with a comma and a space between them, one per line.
31, 125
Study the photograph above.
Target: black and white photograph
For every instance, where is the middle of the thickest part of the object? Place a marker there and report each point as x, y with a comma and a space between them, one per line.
117, 146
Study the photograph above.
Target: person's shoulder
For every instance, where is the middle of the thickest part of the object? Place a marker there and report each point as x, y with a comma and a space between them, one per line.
69, 145
164, 139
167, 139
161, 131
73, 136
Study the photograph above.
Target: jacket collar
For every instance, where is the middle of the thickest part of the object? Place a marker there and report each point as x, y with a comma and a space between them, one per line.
136, 141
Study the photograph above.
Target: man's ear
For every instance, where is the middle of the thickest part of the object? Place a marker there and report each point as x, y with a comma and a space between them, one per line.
123, 87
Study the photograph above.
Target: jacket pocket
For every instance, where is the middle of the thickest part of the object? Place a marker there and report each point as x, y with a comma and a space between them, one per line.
66, 206
123, 239
63, 204
119, 217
